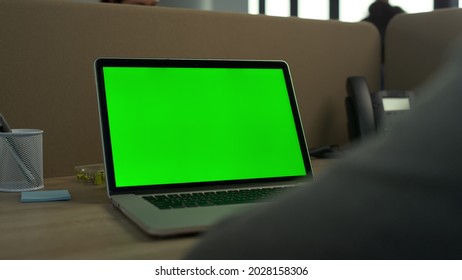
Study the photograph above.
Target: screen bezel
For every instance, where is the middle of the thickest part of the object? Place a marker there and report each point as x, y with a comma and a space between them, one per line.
100, 63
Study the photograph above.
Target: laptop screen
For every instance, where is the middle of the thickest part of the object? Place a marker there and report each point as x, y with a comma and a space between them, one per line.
168, 122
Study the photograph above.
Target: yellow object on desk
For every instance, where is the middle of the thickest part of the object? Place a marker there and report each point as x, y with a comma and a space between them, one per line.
93, 173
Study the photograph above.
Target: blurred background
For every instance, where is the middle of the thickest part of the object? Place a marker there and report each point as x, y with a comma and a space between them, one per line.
344, 10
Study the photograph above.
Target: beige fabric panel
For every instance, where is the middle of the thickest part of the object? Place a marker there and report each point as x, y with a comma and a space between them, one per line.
416, 44
47, 50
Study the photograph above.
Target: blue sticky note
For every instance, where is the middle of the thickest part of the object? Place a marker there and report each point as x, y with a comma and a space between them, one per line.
45, 196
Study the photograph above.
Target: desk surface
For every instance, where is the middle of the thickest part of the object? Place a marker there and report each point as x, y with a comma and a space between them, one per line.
86, 227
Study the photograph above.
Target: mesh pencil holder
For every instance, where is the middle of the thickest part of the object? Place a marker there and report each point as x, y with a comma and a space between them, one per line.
21, 165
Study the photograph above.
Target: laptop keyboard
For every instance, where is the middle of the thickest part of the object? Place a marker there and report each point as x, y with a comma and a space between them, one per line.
202, 199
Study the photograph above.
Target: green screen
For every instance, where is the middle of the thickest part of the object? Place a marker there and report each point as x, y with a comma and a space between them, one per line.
177, 125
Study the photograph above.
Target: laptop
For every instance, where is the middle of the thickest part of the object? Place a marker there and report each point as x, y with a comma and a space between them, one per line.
188, 142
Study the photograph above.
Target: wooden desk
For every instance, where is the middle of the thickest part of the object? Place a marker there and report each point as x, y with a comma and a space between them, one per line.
86, 227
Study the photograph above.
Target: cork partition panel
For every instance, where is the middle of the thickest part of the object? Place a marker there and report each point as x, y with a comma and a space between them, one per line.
417, 44
48, 48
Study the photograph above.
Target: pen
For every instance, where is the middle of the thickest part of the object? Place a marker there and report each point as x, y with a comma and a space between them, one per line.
4, 127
